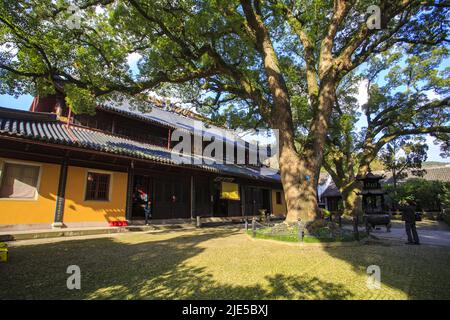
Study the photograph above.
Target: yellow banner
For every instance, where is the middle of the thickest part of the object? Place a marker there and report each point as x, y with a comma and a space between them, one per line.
230, 191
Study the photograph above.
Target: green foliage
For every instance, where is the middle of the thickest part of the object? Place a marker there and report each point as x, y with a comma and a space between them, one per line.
79, 100
411, 83
179, 43
41, 53
429, 195
323, 229
407, 98
326, 213
444, 196
202, 52
310, 239
446, 216
413, 154
315, 232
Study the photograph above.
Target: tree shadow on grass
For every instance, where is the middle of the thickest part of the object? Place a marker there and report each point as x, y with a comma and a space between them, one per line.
421, 272
187, 282
145, 268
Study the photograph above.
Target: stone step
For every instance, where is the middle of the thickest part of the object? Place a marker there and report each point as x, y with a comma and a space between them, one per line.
72, 232
135, 226
41, 234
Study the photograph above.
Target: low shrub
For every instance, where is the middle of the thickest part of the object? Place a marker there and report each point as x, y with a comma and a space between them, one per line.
314, 231
325, 213
446, 216
323, 229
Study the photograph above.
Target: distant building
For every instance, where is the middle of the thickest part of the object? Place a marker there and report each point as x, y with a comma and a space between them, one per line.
332, 200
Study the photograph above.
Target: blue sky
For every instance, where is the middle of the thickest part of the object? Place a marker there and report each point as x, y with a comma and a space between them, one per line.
22, 102
433, 150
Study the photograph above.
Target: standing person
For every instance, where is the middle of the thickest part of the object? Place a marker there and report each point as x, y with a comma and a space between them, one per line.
144, 202
147, 210
409, 216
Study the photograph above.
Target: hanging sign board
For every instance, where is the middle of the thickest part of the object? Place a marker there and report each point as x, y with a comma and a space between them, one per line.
229, 191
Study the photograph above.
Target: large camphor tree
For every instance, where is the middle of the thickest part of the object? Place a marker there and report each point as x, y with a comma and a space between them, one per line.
238, 54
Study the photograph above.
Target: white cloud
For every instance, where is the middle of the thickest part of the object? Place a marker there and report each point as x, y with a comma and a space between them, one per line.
432, 95
133, 58
99, 10
9, 47
434, 150
363, 95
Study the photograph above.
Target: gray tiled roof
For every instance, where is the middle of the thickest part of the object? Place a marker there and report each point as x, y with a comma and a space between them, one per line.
438, 173
46, 128
331, 191
170, 119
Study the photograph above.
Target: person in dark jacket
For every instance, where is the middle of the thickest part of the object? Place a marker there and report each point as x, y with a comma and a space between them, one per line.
409, 216
143, 201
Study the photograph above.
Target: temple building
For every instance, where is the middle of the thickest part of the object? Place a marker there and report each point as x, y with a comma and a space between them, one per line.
59, 169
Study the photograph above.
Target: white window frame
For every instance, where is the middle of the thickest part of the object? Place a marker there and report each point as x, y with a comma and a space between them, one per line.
111, 175
26, 163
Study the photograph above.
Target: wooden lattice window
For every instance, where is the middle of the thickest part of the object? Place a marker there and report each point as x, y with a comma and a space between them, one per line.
97, 186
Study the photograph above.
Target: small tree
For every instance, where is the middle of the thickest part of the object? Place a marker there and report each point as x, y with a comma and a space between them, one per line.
400, 155
429, 195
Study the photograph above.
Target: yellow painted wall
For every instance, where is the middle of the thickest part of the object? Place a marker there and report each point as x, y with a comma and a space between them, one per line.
76, 209
32, 211
278, 209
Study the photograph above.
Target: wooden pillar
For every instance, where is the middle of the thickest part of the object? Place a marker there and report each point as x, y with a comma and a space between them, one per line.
192, 198
169, 138
60, 197
130, 183
270, 201
113, 125
211, 196
241, 189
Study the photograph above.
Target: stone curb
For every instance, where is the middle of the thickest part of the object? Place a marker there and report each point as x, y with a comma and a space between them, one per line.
87, 232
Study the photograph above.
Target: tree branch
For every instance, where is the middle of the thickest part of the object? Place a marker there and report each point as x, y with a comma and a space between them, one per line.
391, 136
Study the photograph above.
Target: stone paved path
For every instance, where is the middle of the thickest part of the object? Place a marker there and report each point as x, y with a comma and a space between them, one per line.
430, 233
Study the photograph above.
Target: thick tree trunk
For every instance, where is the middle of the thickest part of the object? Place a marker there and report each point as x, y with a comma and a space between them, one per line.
306, 206
298, 184
319, 125
299, 173
352, 202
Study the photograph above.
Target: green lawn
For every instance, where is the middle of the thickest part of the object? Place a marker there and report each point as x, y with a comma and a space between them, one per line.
220, 264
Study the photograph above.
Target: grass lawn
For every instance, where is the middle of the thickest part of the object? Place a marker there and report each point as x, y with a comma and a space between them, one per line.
219, 263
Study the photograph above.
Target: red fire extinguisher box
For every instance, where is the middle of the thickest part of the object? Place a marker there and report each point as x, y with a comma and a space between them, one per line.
118, 223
